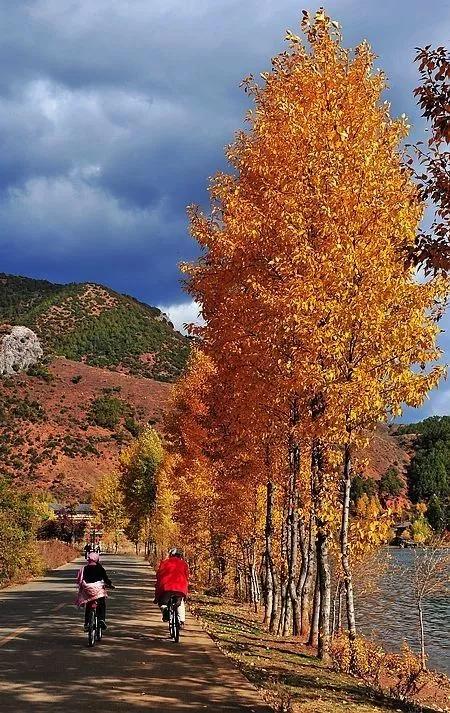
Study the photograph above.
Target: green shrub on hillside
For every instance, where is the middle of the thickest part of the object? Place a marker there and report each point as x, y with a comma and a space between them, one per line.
106, 411
391, 484
28, 410
20, 294
40, 372
362, 486
132, 426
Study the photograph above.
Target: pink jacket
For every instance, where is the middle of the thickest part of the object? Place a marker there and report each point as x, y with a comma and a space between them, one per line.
88, 592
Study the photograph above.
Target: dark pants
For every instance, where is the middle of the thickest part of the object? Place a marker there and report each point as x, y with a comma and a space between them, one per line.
101, 610
165, 597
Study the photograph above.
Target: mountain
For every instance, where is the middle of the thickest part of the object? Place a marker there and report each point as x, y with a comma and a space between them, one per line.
63, 426
93, 324
389, 447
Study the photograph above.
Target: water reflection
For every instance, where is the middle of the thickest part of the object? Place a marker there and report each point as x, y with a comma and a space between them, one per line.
390, 616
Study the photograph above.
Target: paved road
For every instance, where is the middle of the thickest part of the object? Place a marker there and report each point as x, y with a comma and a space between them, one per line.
45, 664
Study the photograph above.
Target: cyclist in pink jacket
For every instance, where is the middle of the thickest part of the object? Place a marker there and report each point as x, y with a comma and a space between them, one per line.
92, 582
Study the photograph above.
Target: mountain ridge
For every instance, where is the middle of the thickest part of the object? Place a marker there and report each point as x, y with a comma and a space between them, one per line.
94, 324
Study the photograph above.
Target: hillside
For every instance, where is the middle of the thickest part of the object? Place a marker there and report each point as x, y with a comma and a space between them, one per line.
61, 429
93, 324
106, 356
389, 448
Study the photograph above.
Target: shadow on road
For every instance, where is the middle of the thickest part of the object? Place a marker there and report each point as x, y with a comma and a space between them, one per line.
135, 668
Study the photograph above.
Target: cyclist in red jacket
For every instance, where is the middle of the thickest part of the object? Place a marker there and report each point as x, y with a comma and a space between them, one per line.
172, 579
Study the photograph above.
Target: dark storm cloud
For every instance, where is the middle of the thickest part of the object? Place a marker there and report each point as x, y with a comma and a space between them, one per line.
113, 113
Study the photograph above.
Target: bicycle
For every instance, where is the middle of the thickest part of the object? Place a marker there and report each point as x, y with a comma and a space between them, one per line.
95, 630
174, 619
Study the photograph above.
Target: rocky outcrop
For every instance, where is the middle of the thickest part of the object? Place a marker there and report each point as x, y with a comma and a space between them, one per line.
19, 349
163, 317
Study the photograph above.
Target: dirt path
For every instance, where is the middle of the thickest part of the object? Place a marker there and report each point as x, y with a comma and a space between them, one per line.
45, 664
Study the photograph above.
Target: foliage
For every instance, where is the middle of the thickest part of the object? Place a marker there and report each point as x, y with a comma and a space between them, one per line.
407, 668
372, 665
391, 484
364, 659
421, 530
106, 411
19, 517
19, 294
362, 486
314, 327
429, 471
436, 514
27, 410
40, 371
163, 529
369, 529
109, 506
63, 527
54, 553
432, 250
132, 426
139, 466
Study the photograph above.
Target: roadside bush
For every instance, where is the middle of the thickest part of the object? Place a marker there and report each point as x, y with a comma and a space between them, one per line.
54, 553
398, 674
19, 518
365, 659
407, 669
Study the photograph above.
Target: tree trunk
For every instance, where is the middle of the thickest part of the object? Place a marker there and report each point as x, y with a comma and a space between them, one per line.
348, 581
292, 518
307, 586
293, 549
314, 629
325, 594
337, 609
323, 566
423, 657
283, 574
273, 623
269, 599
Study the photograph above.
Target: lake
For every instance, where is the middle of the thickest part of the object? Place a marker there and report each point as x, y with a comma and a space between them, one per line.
390, 616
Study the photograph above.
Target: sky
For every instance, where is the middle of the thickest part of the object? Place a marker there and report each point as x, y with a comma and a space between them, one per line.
114, 114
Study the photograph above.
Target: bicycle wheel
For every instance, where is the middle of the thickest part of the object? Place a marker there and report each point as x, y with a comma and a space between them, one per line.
99, 630
171, 621
176, 624
92, 627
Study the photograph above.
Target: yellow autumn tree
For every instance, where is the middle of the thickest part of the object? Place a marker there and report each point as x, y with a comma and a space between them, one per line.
303, 284
139, 465
109, 507
163, 530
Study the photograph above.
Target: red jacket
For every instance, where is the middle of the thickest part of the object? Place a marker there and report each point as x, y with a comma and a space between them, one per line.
172, 576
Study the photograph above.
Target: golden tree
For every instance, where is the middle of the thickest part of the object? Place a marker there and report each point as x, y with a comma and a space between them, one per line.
109, 506
311, 315
139, 465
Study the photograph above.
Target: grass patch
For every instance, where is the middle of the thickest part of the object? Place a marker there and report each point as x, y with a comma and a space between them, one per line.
288, 673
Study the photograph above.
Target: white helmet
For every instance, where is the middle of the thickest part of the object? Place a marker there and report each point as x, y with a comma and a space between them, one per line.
175, 552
